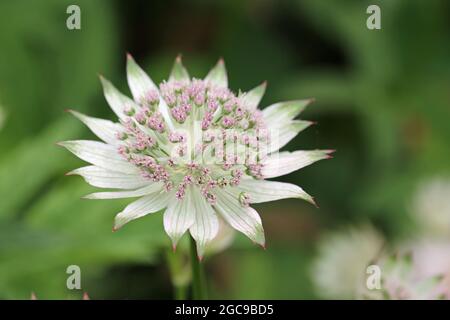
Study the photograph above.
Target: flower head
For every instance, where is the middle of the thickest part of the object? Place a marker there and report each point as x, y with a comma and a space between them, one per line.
339, 271
404, 277
194, 148
418, 270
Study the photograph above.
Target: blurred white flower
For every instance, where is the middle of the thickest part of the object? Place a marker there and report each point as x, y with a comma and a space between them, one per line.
417, 272
432, 257
431, 260
419, 269
340, 268
431, 253
196, 149
431, 207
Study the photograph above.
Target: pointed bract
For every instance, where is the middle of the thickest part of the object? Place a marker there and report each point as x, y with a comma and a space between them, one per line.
243, 219
179, 72
252, 98
103, 178
264, 191
281, 135
150, 188
100, 154
139, 82
286, 162
282, 112
118, 102
148, 204
218, 75
104, 129
206, 225
179, 217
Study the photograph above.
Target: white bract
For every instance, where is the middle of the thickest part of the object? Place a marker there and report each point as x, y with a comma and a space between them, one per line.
195, 149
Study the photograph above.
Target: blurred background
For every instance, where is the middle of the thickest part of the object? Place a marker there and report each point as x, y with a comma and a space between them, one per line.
382, 101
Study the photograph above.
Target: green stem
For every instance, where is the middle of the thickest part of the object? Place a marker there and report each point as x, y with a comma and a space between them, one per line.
180, 292
198, 275
178, 275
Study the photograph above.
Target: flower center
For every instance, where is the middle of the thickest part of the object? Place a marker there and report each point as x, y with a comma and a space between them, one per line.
209, 138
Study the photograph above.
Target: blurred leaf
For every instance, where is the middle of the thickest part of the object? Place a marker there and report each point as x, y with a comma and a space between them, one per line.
49, 68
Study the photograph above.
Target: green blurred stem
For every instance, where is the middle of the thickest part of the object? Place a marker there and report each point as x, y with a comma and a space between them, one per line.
177, 274
198, 274
180, 292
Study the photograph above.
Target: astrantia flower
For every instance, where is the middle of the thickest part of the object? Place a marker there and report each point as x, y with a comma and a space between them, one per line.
194, 148
415, 271
339, 272
403, 277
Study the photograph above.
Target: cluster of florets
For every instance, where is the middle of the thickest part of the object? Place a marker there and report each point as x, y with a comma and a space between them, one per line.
214, 106
162, 153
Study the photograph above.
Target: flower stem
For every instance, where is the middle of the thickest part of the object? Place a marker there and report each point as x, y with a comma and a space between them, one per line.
199, 291
179, 276
180, 292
